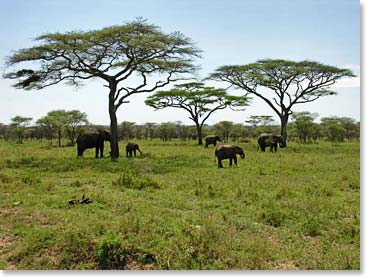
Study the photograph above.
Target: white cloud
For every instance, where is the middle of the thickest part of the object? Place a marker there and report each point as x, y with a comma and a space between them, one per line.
348, 83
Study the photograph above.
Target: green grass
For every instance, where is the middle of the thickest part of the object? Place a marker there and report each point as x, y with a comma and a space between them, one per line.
173, 208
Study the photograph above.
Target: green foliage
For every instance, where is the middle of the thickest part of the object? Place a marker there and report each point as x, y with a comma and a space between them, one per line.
304, 125
110, 252
312, 226
19, 124
336, 129
30, 179
273, 216
132, 180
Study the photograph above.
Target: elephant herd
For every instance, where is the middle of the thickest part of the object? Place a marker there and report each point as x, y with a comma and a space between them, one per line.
96, 138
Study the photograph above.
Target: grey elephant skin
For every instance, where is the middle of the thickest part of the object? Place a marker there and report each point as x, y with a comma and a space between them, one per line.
270, 140
92, 139
211, 139
131, 148
230, 152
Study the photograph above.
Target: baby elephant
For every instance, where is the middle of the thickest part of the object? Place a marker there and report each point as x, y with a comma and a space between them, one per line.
132, 147
228, 152
211, 139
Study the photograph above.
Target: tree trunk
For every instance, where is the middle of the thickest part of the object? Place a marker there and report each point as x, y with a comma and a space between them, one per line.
72, 136
113, 125
59, 133
283, 127
199, 133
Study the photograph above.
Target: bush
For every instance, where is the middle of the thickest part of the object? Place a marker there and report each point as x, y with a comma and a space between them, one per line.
132, 180
110, 253
312, 226
273, 217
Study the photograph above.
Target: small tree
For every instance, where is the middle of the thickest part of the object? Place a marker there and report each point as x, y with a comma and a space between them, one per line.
4, 131
281, 84
60, 120
73, 122
150, 128
114, 54
196, 99
224, 128
20, 124
126, 130
333, 129
49, 125
350, 126
167, 131
304, 125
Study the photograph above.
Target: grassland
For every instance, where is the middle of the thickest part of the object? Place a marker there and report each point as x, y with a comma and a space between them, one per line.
173, 208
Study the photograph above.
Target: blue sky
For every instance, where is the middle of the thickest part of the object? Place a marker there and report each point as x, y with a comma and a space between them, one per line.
229, 32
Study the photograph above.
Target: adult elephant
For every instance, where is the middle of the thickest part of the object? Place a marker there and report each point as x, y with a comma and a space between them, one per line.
92, 139
272, 140
211, 139
228, 152
132, 147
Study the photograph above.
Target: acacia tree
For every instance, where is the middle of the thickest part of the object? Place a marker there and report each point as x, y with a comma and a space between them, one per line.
263, 120
74, 120
304, 125
49, 126
117, 54
20, 124
59, 119
199, 101
282, 83
224, 128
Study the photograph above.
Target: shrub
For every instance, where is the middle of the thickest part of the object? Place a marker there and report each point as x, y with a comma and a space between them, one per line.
132, 180
312, 227
110, 252
273, 217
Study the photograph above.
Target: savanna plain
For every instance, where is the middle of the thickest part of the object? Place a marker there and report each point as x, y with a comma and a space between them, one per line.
172, 208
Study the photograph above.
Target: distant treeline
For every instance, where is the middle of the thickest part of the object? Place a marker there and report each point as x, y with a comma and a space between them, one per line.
64, 127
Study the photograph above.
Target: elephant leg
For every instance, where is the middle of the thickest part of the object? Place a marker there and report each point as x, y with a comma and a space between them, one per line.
230, 161
134, 153
220, 165
271, 148
215, 143
80, 152
101, 151
97, 150
275, 147
235, 160
206, 145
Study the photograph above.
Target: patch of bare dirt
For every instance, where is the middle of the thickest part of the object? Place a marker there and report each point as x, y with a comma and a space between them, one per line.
289, 265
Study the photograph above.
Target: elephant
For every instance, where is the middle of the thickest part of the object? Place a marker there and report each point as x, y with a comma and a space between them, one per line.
132, 147
272, 140
228, 152
211, 139
92, 139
